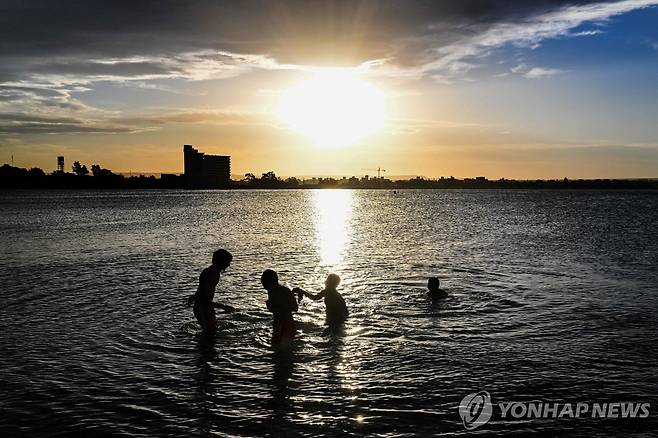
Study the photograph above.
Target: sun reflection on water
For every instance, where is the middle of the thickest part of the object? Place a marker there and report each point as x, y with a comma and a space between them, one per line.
333, 213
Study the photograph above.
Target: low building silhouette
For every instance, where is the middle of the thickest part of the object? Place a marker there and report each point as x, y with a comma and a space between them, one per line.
206, 171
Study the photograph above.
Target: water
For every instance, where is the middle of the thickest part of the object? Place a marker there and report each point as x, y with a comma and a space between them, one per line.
553, 296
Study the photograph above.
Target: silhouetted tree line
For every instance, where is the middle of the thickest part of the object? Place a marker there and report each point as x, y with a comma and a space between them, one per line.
503, 183
268, 180
79, 178
99, 178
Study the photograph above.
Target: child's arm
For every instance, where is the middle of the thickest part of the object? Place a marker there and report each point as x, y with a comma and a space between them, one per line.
292, 303
299, 292
315, 297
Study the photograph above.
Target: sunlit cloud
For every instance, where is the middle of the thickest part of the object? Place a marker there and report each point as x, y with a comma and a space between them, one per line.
535, 72
586, 33
440, 52
528, 33
540, 72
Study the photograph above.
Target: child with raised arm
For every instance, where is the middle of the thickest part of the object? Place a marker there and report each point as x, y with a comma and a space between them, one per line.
204, 307
281, 302
335, 304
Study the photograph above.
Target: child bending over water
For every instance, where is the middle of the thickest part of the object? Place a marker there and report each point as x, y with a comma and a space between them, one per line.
281, 302
204, 307
333, 300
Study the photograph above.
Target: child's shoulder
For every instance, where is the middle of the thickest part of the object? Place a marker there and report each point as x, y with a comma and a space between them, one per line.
207, 271
437, 293
332, 292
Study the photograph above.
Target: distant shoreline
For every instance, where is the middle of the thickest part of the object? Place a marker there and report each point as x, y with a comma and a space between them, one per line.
19, 178
160, 189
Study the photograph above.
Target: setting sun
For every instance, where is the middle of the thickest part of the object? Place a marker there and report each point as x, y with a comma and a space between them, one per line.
333, 109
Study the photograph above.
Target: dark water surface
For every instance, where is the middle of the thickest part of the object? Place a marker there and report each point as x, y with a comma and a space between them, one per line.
553, 296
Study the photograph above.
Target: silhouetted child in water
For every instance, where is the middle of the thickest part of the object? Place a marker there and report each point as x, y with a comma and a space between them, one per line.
204, 307
336, 308
281, 302
433, 290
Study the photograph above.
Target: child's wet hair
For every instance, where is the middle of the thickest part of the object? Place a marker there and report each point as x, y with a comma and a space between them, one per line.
433, 283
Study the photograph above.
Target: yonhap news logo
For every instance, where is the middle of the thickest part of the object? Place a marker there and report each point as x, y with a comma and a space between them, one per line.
476, 409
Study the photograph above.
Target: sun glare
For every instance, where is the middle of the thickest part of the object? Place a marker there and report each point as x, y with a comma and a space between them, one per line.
334, 208
333, 109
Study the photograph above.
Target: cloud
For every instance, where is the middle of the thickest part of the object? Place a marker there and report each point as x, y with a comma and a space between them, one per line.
199, 65
528, 32
535, 72
53, 50
18, 123
22, 123
40, 96
586, 33
539, 72
145, 39
191, 116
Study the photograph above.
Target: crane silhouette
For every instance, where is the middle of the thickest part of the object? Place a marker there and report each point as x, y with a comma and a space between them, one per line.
379, 171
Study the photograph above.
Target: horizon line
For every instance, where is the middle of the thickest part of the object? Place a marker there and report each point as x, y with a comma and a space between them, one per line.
390, 177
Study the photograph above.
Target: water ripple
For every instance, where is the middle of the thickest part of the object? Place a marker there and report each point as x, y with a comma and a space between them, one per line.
552, 297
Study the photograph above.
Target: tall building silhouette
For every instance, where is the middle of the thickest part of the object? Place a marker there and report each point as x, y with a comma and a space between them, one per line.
206, 171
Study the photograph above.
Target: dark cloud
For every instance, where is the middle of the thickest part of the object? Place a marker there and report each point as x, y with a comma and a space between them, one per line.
20, 123
103, 69
11, 97
32, 91
215, 117
60, 128
20, 118
299, 31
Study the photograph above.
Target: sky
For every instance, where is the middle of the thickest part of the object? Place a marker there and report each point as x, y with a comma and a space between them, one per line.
515, 89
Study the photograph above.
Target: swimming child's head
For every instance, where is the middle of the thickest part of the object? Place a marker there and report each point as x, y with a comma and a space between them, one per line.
221, 258
433, 283
269, 279
332, 281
